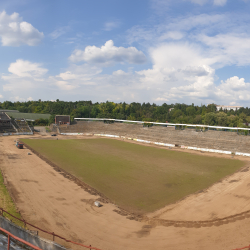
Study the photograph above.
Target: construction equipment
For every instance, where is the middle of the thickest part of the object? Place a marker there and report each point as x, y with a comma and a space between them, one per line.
19, 145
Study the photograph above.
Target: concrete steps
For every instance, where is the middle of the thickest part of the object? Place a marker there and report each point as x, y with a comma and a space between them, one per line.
189, 137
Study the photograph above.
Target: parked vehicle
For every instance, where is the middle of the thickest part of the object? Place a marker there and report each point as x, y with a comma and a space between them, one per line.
19, 145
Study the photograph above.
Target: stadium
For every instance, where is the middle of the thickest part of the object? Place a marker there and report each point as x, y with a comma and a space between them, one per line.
160, 186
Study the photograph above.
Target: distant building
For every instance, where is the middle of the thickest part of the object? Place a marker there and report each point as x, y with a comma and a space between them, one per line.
170, 109
224, 107
62, 119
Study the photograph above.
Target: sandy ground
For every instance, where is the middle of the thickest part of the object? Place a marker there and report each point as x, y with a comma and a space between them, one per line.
49, 200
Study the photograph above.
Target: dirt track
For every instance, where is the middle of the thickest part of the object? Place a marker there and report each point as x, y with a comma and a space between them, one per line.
49, 200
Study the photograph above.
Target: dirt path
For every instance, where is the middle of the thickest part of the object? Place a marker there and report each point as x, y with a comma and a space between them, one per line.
49, 200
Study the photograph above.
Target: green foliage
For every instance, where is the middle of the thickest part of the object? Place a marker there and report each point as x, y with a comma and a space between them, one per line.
41, 122
7, 203
47, 129
180, 113
147, 124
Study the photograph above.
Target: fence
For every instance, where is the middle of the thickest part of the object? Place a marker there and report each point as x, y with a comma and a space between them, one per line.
18, 239
179, 125
248, 247
29, 236
18, 133
50, 233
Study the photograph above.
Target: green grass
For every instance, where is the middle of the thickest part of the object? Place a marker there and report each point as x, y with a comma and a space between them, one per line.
138, 178
7, 203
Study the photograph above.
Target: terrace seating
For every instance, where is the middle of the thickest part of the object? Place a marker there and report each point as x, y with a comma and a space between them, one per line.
6, 127
22, 126
4, 117
15, 125
221, 140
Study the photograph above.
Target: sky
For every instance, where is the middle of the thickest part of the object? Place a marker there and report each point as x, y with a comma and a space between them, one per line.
156, 51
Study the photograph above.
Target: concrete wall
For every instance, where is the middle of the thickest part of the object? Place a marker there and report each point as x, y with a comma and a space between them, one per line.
221, 140
27, 236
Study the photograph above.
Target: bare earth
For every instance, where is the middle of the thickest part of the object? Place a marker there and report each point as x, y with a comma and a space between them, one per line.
47, 199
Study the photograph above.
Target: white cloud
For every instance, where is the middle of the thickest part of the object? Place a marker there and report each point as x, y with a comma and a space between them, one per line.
220, 2
80, 72
174, 35
65, 85
215, 2
174, 78
20, 99
185, 53
234, 83
188, 83
186, 71
228, 49
196, 22
23, 68
68, 75
180, 71
15, 32
108, 55
59, 32
24, 79
75, 76
200, 2
108, 26
162, 5
120, 73
1, 96
183, 27
229, 45
234, 89
177, 55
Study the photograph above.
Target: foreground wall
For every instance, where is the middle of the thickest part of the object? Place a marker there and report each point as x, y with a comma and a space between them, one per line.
229, 141
27, 236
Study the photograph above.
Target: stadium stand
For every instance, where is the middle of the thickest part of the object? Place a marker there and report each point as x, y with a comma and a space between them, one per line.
13, 246
10, 125
22, 126
54, 128
220, 140
5, 124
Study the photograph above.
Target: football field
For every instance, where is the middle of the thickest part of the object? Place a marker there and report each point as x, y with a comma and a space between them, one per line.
138, 178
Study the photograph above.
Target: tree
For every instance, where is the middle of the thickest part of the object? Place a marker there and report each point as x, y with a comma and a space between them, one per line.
210, 119
221, 119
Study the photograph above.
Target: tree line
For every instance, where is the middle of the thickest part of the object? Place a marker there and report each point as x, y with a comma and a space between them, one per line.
174, 113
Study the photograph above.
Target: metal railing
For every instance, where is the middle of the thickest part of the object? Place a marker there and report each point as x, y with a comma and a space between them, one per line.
10, 235
166, 124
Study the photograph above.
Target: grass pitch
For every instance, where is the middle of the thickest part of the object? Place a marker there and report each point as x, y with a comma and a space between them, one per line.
7, 203
137, 178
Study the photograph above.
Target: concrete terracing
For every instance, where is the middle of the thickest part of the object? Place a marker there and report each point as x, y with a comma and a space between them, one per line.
221, 140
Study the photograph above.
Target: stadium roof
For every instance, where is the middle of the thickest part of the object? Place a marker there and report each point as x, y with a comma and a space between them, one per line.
28, 116
8, 110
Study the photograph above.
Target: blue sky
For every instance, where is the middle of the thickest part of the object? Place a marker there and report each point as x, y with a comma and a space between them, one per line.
185, 51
